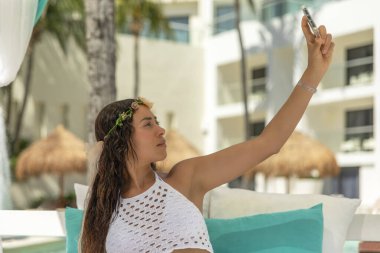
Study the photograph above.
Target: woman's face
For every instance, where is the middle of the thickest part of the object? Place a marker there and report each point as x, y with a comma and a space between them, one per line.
148, 136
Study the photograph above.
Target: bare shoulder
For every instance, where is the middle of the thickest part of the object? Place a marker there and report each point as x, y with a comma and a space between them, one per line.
180, 177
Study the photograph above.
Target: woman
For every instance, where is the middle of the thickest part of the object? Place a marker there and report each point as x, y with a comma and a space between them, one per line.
134, 209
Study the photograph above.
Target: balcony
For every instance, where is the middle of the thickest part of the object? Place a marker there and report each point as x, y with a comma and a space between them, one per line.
358, 145
231, 92
345, 141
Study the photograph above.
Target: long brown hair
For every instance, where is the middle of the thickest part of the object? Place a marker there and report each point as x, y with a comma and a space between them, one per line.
111, 175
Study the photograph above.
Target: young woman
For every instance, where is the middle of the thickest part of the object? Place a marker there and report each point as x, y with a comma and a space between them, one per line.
132, 208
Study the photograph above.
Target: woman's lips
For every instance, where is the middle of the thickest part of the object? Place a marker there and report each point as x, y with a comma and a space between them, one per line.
162, 144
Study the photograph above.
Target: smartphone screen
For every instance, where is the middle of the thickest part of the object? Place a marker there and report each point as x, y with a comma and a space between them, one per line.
311, 22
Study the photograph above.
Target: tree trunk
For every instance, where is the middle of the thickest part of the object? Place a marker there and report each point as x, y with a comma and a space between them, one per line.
243, 70
9, 106
137, 65
28, 82
101, 55
243, 76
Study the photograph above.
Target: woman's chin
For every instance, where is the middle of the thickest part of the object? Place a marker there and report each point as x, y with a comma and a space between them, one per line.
162, 158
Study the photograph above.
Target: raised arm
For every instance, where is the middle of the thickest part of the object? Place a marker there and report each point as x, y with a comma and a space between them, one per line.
223, 166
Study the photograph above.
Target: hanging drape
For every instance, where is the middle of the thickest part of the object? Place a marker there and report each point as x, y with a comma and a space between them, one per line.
17, 18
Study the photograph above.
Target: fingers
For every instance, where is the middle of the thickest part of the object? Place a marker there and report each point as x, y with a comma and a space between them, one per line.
306, 30
324, 41
322, 31
326, 45
330, 50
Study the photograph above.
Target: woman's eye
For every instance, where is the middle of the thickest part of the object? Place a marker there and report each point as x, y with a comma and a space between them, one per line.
157, 122
148, 124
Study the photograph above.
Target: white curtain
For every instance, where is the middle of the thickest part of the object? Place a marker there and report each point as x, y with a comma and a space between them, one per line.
17, 19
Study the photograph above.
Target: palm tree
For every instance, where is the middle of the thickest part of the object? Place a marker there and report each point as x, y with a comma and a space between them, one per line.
132, 16
243, 69
62, 19
101, 57
243, 65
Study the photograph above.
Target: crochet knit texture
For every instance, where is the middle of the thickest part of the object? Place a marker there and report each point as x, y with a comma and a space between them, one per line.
158, 220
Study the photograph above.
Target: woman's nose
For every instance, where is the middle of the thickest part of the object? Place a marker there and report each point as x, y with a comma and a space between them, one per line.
161, 130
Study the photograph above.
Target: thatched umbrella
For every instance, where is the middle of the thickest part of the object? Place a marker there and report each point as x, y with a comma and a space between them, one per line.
301, 156
178, 149
60, 152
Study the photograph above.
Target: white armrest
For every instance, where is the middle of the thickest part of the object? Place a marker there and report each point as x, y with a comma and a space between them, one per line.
32, 223
364, 227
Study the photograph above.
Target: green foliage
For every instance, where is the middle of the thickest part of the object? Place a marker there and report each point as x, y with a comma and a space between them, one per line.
63, 19
132, 15
70, 200
35, 203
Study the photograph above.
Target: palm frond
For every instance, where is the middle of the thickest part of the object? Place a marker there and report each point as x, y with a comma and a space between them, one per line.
64, 19
142, 13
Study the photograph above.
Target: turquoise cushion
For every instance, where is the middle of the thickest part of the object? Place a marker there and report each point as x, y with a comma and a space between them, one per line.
73, 224
298, 231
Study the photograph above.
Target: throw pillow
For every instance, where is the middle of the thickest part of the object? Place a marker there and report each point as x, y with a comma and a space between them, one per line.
80, 195
338, 212
73, 224
298, 231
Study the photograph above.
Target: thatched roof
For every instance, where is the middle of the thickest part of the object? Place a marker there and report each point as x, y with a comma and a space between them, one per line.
301, 156
178, 149
60, 152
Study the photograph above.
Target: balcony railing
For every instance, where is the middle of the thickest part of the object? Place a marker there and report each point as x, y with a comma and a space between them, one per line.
335, 140
340, 141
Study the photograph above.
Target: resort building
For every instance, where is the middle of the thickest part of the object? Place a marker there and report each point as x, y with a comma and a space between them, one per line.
196, 78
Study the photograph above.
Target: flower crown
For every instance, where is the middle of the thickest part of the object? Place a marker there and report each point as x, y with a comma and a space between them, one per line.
128, 114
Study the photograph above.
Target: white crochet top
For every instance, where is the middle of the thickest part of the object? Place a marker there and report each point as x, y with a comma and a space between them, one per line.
160, 219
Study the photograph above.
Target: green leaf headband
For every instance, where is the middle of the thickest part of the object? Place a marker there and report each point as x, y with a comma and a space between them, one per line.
128, 114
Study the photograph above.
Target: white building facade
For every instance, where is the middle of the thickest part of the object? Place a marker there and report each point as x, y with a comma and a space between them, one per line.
343, 115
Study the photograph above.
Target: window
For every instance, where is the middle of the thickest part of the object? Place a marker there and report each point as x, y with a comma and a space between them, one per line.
359, 63
359, 130
180, 28
278, 8
346, 183
255, 128
224, 18
258, 79
273, 9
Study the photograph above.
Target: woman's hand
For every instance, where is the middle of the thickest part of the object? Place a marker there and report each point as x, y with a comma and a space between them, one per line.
320, 50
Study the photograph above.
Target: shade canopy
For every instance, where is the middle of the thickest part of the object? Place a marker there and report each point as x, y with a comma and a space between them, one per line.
301, 156
60, 152
178, 149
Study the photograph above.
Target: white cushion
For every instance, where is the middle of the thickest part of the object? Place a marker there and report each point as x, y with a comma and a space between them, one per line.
338, 212
80, 195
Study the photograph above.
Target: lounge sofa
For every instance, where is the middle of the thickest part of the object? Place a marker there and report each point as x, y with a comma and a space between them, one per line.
340, 222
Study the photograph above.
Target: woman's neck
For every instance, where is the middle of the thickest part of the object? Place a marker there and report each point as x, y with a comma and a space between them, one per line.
139, 180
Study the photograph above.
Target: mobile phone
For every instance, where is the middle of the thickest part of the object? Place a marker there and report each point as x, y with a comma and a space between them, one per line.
311, 22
